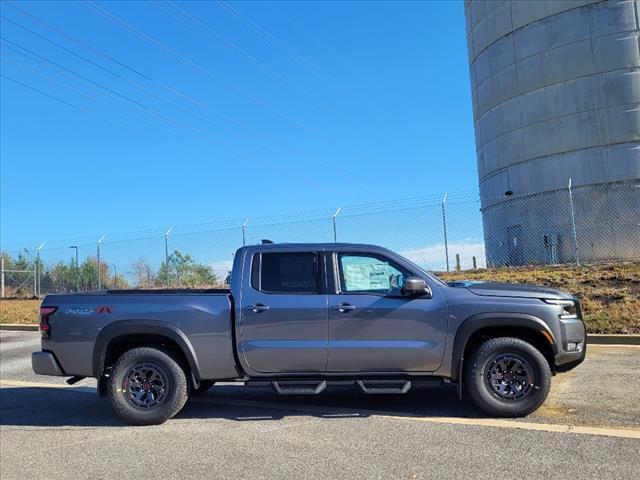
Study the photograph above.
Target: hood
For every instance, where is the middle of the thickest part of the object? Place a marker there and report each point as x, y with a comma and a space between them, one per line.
496, 289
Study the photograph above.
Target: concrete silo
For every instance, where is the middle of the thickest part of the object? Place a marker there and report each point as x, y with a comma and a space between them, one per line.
556, 95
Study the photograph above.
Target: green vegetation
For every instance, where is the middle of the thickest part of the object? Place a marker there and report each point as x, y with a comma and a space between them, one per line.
180, 270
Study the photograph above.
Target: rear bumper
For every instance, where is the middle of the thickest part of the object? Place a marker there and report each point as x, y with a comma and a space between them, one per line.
45, 363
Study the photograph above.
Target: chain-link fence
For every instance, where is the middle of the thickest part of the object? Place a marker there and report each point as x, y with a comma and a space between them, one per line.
455, 231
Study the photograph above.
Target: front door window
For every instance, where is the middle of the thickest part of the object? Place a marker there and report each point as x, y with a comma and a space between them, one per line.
370, 274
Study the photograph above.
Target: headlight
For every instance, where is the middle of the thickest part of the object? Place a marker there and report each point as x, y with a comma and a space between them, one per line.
569, 309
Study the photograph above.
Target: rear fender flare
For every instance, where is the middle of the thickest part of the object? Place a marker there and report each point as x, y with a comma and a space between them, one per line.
138, 327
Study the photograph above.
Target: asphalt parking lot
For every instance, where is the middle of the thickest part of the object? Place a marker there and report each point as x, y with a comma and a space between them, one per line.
588, 428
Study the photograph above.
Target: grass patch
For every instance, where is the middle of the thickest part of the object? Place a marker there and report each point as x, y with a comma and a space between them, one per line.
610, 294
19, 311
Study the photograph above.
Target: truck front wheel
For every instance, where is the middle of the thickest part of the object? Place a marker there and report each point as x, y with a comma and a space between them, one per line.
147, 386
507, 377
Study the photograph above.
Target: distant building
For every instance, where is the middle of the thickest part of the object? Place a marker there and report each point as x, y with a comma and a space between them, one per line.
556, 95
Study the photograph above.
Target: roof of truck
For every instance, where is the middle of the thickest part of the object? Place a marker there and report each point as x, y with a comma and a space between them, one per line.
327, 245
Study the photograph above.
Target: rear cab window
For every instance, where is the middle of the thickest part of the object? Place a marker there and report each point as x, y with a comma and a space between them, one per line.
286, 272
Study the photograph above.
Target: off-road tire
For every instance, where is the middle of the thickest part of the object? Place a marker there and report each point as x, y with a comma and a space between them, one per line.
477, 377
173, 375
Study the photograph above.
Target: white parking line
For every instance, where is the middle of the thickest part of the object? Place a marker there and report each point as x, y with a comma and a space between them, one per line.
351, 412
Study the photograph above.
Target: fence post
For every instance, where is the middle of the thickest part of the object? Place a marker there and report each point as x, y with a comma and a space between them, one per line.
244, 232
35, 279
573, 225
166, 255
444, 225
335, 229
474, 263
98, 252
38, 270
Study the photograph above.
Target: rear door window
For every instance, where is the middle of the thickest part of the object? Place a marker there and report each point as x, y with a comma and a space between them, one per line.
285, 272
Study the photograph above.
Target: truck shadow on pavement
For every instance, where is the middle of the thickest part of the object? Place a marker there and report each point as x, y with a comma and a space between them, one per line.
81, 407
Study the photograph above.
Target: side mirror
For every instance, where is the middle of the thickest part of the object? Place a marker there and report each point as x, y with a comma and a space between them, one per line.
416, 286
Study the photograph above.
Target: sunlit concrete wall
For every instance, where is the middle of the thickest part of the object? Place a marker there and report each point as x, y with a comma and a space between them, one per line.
556, 95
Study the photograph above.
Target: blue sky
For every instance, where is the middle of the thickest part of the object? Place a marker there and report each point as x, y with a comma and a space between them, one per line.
217, 111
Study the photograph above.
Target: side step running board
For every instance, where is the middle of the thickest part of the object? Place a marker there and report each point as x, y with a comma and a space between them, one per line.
299, 388
384, 386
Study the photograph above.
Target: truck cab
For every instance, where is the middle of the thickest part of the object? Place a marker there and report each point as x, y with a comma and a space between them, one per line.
336, 310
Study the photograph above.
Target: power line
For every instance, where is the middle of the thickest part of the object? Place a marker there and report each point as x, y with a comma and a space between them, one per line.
34, 89
310, 178
115, 60
221, 37
116, 19
52, 79
260, 31
59, 46
235, 47
60, 100
141, 87
76, 74
119, 97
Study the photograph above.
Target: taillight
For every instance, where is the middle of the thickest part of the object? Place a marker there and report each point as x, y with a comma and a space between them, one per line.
45, 326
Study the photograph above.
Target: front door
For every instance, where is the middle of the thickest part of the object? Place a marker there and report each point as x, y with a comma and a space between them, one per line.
283, 314
373, 327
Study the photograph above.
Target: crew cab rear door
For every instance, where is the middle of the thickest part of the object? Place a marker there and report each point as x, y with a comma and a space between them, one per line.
283, 316
373, 327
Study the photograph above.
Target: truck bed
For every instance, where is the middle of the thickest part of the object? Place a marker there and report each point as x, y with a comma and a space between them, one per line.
85, 323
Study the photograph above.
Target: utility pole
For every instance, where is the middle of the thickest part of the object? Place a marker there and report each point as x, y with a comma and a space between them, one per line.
115, 276
166, 255
77, 269
335, 228
2, 277
37, 269
98, 251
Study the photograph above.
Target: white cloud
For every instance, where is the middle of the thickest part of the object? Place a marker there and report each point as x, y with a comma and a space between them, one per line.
432, 257
221, 268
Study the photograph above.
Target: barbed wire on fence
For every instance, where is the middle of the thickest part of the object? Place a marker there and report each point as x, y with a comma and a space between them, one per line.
459, 230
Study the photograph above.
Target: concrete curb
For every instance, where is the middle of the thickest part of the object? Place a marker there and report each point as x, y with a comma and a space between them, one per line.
594, 338
604, 339
19, 327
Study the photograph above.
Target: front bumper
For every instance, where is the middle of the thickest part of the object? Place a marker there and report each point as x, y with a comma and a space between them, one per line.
45, 363
573, 333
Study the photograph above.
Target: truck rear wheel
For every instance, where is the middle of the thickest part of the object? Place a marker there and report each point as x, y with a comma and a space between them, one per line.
147, 386
507, 377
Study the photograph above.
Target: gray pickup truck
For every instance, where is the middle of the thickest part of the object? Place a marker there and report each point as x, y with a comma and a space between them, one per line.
303, 317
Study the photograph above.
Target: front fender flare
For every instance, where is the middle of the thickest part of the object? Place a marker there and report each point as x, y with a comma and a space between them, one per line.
485, 320
136, 327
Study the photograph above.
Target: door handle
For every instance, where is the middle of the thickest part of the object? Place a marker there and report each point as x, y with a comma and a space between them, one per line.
343, 307
258, 307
